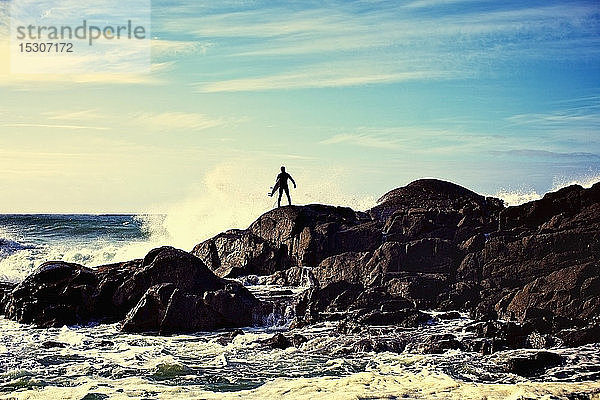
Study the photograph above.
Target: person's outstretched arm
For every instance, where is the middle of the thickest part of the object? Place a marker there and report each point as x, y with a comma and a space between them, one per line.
292, 179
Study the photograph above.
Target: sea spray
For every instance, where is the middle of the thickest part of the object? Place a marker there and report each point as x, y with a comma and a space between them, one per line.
224, 200
522, 194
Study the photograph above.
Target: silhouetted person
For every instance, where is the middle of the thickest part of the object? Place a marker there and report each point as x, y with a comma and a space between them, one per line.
282, 184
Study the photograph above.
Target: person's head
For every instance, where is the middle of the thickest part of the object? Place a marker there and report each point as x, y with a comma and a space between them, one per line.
282, 168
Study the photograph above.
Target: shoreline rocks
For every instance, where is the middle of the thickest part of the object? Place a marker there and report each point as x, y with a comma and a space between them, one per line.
169, 291
529, 273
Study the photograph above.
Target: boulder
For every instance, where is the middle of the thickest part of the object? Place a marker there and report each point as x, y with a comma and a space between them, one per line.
430, 194
532, 363
183, 295
567, 202
57, 293
295, 276
315, 303
166, 265
580, 336
280, 341
437, 344
287, 237
407, 318
418, 256
571, 292
168, 291
314, 232
236, 252
350, 267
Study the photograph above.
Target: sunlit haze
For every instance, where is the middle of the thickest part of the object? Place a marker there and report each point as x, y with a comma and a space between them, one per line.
353, 97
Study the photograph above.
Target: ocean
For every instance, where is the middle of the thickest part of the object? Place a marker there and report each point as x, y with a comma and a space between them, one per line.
100, 362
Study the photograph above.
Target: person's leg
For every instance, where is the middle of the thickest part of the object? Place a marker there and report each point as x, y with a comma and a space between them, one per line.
279, 199
287, 193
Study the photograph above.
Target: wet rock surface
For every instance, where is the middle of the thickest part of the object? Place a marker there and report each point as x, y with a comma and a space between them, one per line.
169, 291
529, 275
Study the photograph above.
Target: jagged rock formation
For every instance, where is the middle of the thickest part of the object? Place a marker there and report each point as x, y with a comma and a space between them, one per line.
431, 245
168, 291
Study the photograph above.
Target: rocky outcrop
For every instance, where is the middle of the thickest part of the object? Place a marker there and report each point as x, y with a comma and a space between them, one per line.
431, 245
55, 292
293, 236
235, 253
543, 257
168, 291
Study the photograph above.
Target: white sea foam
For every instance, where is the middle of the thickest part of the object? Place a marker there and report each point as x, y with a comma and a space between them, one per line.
224, 200
371, 385
586, 181
14, 266
523, 194
517, 197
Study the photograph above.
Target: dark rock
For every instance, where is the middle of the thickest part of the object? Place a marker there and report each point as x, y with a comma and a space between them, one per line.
567, 201
448, 315
110, 277
297, 340
562, 293
166, 265
236, 252
202, 303
350, 267
375, 344
438, 344
431, 194
378, 298
314, 232
228, 337
5, 289
55, 294
293, 236
408, 318
506, 335
48, 344
186, 312
484, 346
280, 341
545, 257
168, 291
337, 296
423, 290
460, 296
581, 336
532, 364
148, 314
294, 276
430, 255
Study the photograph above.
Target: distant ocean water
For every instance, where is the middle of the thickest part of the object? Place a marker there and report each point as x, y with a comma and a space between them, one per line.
99, 362
27, 240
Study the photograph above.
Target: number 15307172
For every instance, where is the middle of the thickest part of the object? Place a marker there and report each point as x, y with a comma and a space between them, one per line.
36, 47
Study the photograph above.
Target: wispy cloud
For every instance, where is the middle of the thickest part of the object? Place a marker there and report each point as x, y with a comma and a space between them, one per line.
545, 154
433, 3
315, 78
168, 121
73, 115
582, 113
54, 126
177, 48
343, 40
363, 140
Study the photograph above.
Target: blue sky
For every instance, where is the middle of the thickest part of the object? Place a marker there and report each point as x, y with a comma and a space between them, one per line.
355, 97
